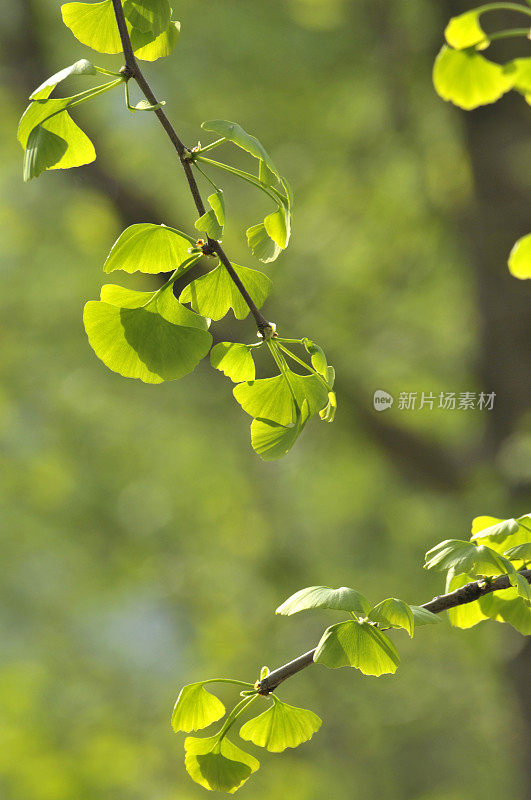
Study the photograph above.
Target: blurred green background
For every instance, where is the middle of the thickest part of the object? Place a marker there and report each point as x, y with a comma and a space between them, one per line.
144, 545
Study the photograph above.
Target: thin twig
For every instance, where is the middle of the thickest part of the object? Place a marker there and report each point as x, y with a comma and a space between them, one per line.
466, 594
132, 70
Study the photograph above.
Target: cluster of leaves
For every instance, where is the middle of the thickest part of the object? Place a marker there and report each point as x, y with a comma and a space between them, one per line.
496, 547
153, 336
462, 75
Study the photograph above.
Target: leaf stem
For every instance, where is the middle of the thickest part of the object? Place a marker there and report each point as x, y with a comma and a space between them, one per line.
509, 34
210, 146
132, 70
503, 7
238, 709
181, 270
246, 176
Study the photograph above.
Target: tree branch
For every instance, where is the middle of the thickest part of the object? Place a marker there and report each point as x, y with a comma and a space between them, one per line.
466, 594
132, 70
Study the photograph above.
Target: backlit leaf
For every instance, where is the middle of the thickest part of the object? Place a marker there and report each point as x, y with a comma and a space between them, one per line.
148, 15
93, 24
357, 644
468, 79
424, 617
466, 557
81, 67
342, 599
520, 258
234, 360
395, 614
162, 341
218, 764
272, 398
213, 221
55, 143
281, 726
469, 614
522, 552
195, 709
278, 226
261, 245
272, 441
466, 31
215, 293
519, 71
162, 46
150, 248
236, 134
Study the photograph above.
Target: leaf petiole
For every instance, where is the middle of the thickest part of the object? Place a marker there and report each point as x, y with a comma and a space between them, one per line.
238, 709
246, 176
181, 270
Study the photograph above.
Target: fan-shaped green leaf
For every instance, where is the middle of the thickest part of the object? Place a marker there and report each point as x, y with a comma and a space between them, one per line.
44, 150
516, 611
395, 614
215, 293
424, 617
500, 534
469, 614
272, 398
213, 221
236, 134
281, 726
150, 248
342, 599
468, 79
218, 764
164, 44
357, 644
521, 585
234, 360
272, 441
81, 67
158, 342
328, 413
520, 258
521, 552
148, 15
466, 557
261, 245
519, 71
93, 24
196, 708
278, 226
57, 143
466, 31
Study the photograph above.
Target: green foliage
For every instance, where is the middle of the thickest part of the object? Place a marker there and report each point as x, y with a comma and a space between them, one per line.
213, 222
218, 764
215, 293
281, 726
393, 613
234, 360
465, 31
145, 335
342, 599
468, 79
153, 34
358, 644
520, 256
196, 708
149, 248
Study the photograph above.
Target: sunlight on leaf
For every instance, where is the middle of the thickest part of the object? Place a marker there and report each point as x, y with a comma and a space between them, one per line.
81, 67
357, 644
272, 398
395, 614
520, 258
281, 726
261, 245
149, 248
234, 360
466, 31
196, 708
468, 79
342, 599
215, 293
213, 221
218, 765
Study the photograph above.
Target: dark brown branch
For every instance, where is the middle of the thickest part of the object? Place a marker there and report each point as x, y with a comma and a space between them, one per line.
132, 70
466, 594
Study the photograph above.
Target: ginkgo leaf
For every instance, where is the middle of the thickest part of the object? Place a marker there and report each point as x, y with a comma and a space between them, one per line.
217, 764
272, 441
521, 585
213, 221
521, 552
281, 726
81, 67
236, 134
156, 342
468, 79
94, 25
342, 599
234, 360
261, 245
278, 226
357, 644
424, 617
520, 257
394, 613
469, 614
515, 611
57, 143
519, 71
196, 708
466, 31
149, 248
44, 150
148, 15
274, 398
466, 557
160, 47
215, 293
500, 534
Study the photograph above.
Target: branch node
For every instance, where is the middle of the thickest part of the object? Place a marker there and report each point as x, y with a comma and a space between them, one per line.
126, 72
